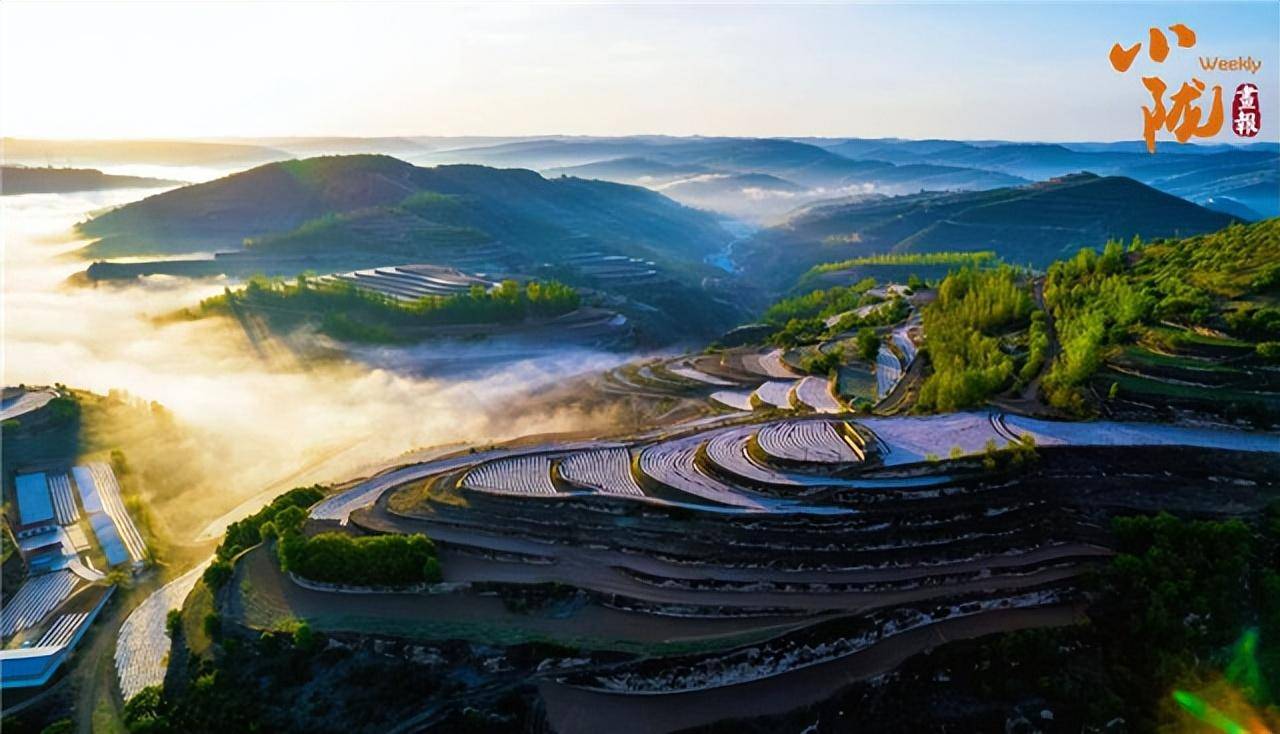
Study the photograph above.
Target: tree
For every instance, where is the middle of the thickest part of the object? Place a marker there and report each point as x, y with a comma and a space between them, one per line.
963, 327
217, 574
213, 625
147, 712
303, 638
173, 622
867, 344
119, 464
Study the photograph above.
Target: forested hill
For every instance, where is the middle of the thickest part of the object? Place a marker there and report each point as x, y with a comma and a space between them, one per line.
1033, 224
301, 197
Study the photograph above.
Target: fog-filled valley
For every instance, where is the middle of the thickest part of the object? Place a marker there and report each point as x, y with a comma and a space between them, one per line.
259, 417
642, 433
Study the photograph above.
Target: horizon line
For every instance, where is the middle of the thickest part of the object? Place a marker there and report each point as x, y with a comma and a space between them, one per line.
553, 136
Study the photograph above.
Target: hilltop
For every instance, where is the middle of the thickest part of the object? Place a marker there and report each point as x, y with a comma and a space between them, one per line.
1032, 224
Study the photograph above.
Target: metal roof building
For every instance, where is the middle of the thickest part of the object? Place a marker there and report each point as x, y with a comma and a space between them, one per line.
88, 489
34, 666
109, 538
34, 504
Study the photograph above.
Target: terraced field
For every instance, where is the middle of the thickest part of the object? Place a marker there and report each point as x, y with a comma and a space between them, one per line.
810, 442
815, 394
521, 475
604, 470
775, 393
778, 549
411, 282
142, 645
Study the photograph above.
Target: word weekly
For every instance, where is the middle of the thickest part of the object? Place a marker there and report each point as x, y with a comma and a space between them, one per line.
1218, 63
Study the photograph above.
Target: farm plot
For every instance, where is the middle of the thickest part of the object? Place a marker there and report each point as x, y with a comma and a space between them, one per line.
775, 393
815, 393
1116, 433
674, 464
689, 372
64, 504
529, 475
109, 489
728, 450
908, 440
16, 402
410, 282
856, 382
142, 645
812, 441
736, 399
39, 596
604, 470
771, 365
901, 338
888, 371
861, 312
338, 508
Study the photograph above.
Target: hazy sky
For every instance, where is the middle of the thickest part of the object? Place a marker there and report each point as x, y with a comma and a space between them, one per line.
1015, 71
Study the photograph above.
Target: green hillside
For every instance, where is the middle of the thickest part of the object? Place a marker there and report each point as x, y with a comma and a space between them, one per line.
1033, 224
1190, 325
270, 203
342, 213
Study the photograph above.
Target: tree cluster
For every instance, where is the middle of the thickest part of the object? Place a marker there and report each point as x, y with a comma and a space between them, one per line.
963, 327
376, 560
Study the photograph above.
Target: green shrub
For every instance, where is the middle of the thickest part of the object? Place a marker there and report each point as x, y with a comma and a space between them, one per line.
218, 574
173, 622
377, 560
213, 625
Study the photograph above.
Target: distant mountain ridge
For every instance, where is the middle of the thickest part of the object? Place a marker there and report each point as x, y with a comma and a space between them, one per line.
827, 167
801, 163
15, 180
1250, 174
833, 166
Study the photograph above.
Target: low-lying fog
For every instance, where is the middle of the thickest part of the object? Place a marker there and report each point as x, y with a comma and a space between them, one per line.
269, 421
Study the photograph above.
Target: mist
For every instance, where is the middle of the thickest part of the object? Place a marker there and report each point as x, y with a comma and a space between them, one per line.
270, 422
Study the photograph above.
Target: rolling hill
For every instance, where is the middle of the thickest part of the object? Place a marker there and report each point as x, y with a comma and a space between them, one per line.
1032, 224
643, 251
293, 203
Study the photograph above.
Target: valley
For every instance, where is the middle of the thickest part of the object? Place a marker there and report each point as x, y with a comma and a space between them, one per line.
665, 435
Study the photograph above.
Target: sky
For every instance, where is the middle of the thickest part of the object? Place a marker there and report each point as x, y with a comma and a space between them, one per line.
1014, 71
